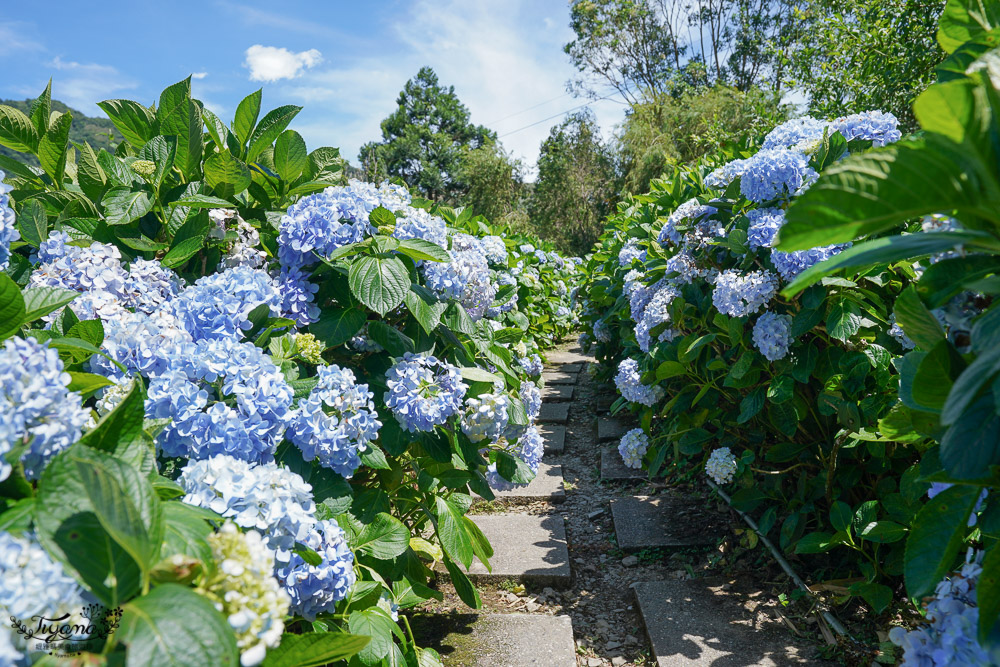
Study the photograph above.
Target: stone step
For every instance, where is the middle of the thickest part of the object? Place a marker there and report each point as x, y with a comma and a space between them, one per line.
613, 469
696, 623
558, 392
547, 485
568, 368
568, 356
497, 640
554, 436
610, 428
557, 413
604, 402
558, 377
667, 521
529, 548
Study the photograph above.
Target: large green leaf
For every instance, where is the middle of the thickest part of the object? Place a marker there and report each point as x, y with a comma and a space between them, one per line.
246, 115
969, 383
381, 283
161, 151
52, 147
40, 301
16, 130
463, 585
916, 321
384, 538
89, 173
290, 155
180, 117
12, 308
122, 425
173, 626
124, 205
188, 240
41, 110
935, 376
376, 624
226, 175
184, 532
967, 20
33, 223
336, 326
314, 649
844, 319
425, 250
270, 126
424, 307
875, 191
943, 280
454, 539
136, 122
936, 537
972, 444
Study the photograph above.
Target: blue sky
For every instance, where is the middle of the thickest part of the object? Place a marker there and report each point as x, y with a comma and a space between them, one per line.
345, 62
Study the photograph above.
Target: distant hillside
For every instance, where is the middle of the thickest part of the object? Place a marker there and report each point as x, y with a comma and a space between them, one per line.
84, 128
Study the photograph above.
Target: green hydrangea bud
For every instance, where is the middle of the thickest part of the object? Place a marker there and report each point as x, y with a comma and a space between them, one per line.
386, 229
310, 349
144, 168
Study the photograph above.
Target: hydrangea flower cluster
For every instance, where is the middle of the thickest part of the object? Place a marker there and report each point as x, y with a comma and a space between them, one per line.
633, 447
686, 268
879, 127
791, 264
721, 178
764, 225
8, 232
721, 466
320, 223
244, 590
532, 365
602, 332
51, 248
504, 278
772, 334
309, 347
630, 252
336, 422
656, 313
202, 425
793, 132
150, 285
529, 448
266, 497
35, 405
629, 384
419, 224
423, 391
775, 174
218, 306
297, 296
950, 635
466, 278
485, 417
32, 583
691, 212
531, 397
316, 589
137, 341
897, 332
495, 250
96, 268
244, 250
741, 295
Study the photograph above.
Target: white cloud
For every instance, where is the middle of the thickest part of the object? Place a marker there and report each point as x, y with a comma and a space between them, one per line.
198, 75
83, 85
270, 63
13, 39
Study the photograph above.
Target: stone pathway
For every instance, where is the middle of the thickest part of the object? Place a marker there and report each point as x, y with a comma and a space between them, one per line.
604, 561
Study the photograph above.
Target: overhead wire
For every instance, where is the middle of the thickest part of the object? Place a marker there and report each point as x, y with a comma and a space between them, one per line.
561, 113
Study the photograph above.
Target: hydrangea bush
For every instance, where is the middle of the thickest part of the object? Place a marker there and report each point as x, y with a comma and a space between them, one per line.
239, 390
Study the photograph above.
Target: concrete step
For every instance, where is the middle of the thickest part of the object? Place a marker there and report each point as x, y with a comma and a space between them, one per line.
547, 485
554, 413
570, 356
567, 368
558, 377
667, 521
696, 623
554, 436
610, 428
497, 640
613, 469
529, 548
558, 392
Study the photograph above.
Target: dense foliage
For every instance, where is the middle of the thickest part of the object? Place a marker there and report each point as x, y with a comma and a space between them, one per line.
244, 405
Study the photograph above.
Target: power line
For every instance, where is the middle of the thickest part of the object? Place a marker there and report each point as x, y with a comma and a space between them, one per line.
518, 113
562, 113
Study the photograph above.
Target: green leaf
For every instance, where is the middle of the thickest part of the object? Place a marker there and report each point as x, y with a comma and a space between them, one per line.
935, 376
188, 240
84, 383
972, 444
841, 515
463, 586
271, 125
751, 404
425, 250
814, 543
943, 280
180, 117
161, 151
844, 319
314, 649
41, 110
123, 205
89, 173
122, 425
172, 626
185, 530
91, 331
16, 131
454, 539
670, 369
967, 20
33, 223
376, 624
988, 593
129, 511
136, 123
202, 201
12, 307
424, 307
336, 326
918, 322
226, 175
936, 537
52, 147
879, 596
246, 116
40, 301
882, 532
968, 384
379, 283
290, 155
384, 538
476, 374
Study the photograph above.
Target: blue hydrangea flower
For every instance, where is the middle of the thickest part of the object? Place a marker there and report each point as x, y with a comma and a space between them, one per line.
897, 332
297, 296
218, 305
532, 365
764, 225
775, 174
721, 465
419, 224
794, 131
876, 126
741, 295
423, 391
630, 386
656, 313
602, 332
33, 584
320, 223
9, 655
791, 264
720, 178
541, 256
8, 232
150, 285
632, 448
336, 422
244, 250
137, 341
639, 295
95, 268
485, 416
462, 241
531, 397
199, 377
495, 250
631, 251
316, 589
690, 213
466, 278
53, 247
529, 448
267, 498
526, 248
35, 405
772, 334
686, 267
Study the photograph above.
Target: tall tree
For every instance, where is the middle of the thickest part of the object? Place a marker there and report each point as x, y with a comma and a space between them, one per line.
495, 184
424, 138
576, 184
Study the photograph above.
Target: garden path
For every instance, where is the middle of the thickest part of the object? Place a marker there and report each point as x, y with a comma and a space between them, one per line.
597, 566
